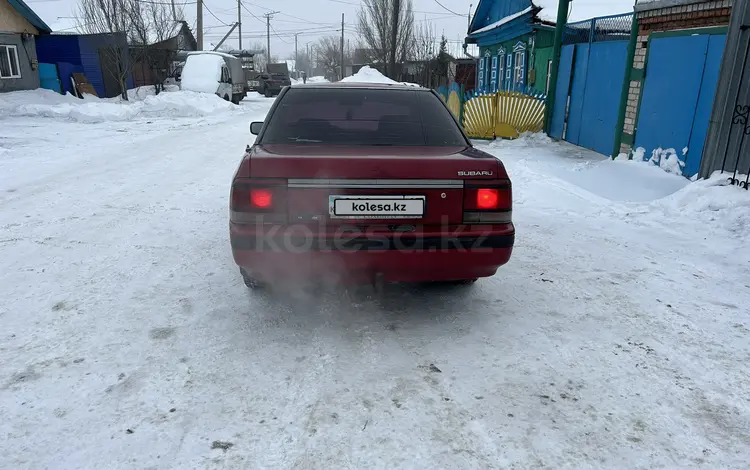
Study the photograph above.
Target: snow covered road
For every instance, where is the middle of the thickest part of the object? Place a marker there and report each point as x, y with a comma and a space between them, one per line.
617, 337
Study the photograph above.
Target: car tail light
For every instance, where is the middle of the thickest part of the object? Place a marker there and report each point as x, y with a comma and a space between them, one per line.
490, 203
261, 198
487, 198
258, 201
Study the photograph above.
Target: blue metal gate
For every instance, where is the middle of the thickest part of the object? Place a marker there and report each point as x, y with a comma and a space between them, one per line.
590, 80
678, 94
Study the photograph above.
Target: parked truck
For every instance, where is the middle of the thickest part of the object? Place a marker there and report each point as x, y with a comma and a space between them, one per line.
214, 72
270, 82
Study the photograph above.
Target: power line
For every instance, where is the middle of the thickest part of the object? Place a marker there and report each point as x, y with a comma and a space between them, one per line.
212, 14
447, 9
252, 14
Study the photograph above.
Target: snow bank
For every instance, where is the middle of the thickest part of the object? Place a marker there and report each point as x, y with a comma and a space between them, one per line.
619, 180
141, 93
202, 73
316, 79
369, 75
46, 103
712, 201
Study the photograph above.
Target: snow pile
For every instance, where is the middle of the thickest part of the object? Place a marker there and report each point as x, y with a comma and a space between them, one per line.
620, 180
370, 75
316, 79
202, 73
47, 103
666, 159
140, 93
714, 201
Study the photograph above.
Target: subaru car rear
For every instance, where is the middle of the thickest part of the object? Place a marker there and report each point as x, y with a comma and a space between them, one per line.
359, 183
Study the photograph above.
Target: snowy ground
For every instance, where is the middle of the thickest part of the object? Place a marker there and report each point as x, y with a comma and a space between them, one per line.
617, 337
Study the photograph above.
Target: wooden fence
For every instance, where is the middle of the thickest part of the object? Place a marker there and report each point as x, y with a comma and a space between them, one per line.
504, 114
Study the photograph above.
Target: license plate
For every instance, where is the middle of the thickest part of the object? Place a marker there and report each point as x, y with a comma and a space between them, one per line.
376, 207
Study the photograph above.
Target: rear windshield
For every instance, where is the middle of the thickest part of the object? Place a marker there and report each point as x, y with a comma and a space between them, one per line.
362, 117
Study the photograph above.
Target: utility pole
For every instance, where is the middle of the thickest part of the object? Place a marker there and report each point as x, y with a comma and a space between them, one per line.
268, 16
309, 60
394, 36
562, 19
199, 24
469, 27
239, 22
342, 46
216, 47
296, 57
174, 12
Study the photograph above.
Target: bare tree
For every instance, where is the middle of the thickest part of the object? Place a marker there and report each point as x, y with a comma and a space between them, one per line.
423, 52
377, 22
328, 56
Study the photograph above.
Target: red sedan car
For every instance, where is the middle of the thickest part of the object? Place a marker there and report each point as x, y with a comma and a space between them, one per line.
367, 183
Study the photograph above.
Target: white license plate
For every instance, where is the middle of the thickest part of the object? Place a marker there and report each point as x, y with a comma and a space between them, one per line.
376, 207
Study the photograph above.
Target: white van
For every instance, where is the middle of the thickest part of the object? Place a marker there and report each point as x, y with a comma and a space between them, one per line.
214, 72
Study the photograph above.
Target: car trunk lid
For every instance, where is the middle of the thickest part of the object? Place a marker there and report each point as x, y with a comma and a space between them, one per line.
369, 185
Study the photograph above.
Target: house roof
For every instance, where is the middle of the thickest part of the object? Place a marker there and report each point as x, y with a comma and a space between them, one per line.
25, 11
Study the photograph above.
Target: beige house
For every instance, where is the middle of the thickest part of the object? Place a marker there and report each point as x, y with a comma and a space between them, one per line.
19, 26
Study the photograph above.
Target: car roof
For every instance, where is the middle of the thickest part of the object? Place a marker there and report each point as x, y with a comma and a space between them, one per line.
361, 85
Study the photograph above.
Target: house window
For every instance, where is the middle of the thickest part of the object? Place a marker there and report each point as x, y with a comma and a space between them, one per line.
9, 66
549, 75
493, 79
520, 68
480, 85
508, 70
519, 71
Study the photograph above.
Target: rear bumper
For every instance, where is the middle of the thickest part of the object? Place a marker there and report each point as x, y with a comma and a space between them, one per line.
466, 253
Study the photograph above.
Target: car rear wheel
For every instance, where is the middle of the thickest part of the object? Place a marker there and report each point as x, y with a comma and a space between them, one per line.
268, 93
250, 281
226, 97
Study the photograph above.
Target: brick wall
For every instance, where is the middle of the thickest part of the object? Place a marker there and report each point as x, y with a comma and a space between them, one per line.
696, 15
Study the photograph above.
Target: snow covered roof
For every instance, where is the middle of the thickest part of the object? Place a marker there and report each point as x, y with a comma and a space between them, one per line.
583, 10
502, 21
546, 11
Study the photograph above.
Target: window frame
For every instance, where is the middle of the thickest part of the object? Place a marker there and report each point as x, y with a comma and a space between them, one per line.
8, 48
493, 79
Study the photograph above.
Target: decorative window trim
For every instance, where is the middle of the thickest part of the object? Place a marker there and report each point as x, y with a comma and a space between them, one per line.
10, 63
520, 46
519, 69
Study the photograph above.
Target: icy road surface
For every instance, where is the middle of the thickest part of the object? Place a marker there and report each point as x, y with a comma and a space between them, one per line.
617, 337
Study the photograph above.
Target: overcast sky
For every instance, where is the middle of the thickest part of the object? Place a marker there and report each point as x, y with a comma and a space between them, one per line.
312, 19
